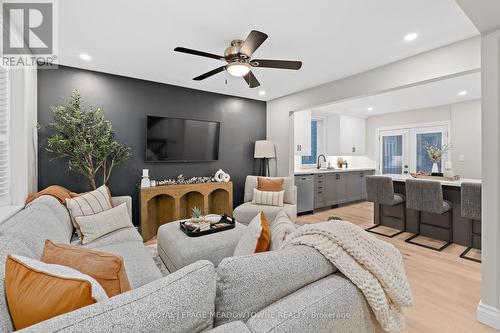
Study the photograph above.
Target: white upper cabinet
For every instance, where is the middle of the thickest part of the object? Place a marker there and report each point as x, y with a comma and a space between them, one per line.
345, 135
302, 132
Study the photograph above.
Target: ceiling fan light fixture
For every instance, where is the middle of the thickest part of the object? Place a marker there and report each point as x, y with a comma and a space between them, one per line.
238, 69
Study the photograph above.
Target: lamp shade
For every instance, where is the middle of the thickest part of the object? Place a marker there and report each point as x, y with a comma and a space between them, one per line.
264, 149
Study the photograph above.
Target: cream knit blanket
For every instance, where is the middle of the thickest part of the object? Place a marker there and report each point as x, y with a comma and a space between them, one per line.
374, 266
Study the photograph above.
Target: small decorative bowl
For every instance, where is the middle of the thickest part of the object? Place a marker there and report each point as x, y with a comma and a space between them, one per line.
212, 218
197, 219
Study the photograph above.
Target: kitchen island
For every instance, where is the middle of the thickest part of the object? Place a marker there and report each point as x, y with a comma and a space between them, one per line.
451, 192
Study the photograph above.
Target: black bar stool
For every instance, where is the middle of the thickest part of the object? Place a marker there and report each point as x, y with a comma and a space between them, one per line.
380, 190
427, 196
471, 209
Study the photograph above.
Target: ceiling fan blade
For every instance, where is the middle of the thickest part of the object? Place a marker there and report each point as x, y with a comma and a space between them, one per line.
208, 74
251, 80
198, 53
281, 64
254, 40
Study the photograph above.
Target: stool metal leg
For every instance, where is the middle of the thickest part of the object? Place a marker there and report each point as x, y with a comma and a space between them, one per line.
372, 228
450, 230
471, 239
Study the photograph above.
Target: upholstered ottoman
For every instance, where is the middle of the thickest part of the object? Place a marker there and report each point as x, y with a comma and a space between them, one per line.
177, 250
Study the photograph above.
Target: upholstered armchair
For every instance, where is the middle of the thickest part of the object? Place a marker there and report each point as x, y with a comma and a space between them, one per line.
245, 212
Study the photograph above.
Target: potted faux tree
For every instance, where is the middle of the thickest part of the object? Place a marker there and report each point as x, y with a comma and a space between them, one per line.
83, 138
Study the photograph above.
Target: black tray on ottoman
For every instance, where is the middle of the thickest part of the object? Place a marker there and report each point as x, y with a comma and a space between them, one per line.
225, 223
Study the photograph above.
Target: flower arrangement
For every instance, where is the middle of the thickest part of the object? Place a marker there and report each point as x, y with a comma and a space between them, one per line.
435, 153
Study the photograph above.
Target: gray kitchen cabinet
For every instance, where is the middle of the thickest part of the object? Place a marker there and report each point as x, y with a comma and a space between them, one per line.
319, 191
354, 186
342, 183
331, 186
336, 188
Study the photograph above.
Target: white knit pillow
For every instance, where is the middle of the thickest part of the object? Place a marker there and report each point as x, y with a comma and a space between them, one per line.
281, 228
268, 198
97, 225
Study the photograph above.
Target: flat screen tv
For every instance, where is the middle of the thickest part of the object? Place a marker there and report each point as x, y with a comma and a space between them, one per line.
181, 140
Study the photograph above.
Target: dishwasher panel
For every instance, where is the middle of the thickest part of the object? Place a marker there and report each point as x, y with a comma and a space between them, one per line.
305, 193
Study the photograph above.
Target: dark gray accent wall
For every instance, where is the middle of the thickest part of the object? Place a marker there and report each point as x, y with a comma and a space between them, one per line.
126, 102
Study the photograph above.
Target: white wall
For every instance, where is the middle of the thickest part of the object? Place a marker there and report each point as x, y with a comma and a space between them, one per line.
465, 128
489, 308
466, 138
451, 60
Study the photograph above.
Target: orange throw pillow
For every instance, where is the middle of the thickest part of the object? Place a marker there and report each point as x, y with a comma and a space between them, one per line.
264, 240
256, 238
36, 291
270, 184
108, 269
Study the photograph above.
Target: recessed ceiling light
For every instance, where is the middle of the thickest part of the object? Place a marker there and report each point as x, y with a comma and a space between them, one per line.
85, 57
262, 93
370, 108
411, 37
462, 93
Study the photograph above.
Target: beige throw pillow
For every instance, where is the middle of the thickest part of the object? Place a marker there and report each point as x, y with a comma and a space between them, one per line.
281, 228
97, 225
89, 203
268, 198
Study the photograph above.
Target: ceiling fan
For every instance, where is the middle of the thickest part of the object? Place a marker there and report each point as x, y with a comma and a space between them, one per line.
239, 59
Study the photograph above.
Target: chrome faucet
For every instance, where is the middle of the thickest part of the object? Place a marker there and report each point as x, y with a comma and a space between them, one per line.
324, 157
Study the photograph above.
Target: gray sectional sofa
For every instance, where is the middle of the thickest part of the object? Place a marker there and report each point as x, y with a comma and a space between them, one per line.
293, 290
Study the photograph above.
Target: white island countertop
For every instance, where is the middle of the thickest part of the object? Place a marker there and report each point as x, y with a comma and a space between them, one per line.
456, 183
300, 172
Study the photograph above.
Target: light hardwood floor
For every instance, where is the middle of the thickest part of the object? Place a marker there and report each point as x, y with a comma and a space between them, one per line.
445, 287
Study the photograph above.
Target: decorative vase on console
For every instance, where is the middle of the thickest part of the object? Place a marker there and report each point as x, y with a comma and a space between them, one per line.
436, 153
435, 168
145, 178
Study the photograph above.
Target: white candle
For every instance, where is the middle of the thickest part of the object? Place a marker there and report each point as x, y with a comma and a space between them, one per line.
145, 173
448, 165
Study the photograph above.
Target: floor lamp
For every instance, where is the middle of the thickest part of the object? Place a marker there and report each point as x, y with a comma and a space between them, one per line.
264, 150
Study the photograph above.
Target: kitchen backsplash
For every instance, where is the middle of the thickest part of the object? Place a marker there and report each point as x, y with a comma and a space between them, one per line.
353, 161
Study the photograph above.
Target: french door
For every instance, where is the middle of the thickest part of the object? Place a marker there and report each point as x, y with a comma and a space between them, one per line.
393, 151
405, 150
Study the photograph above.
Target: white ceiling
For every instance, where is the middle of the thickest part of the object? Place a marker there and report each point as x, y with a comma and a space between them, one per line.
333, 38
431, 94
484, 13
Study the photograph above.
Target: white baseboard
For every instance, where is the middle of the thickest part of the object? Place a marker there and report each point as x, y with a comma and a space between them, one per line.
488, 315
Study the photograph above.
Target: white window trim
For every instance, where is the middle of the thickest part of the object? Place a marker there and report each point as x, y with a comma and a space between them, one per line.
5, 139
446, 123
22, 138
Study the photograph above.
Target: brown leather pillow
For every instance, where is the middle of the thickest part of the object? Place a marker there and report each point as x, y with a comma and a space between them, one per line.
270, 184
36, 291
107, 269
